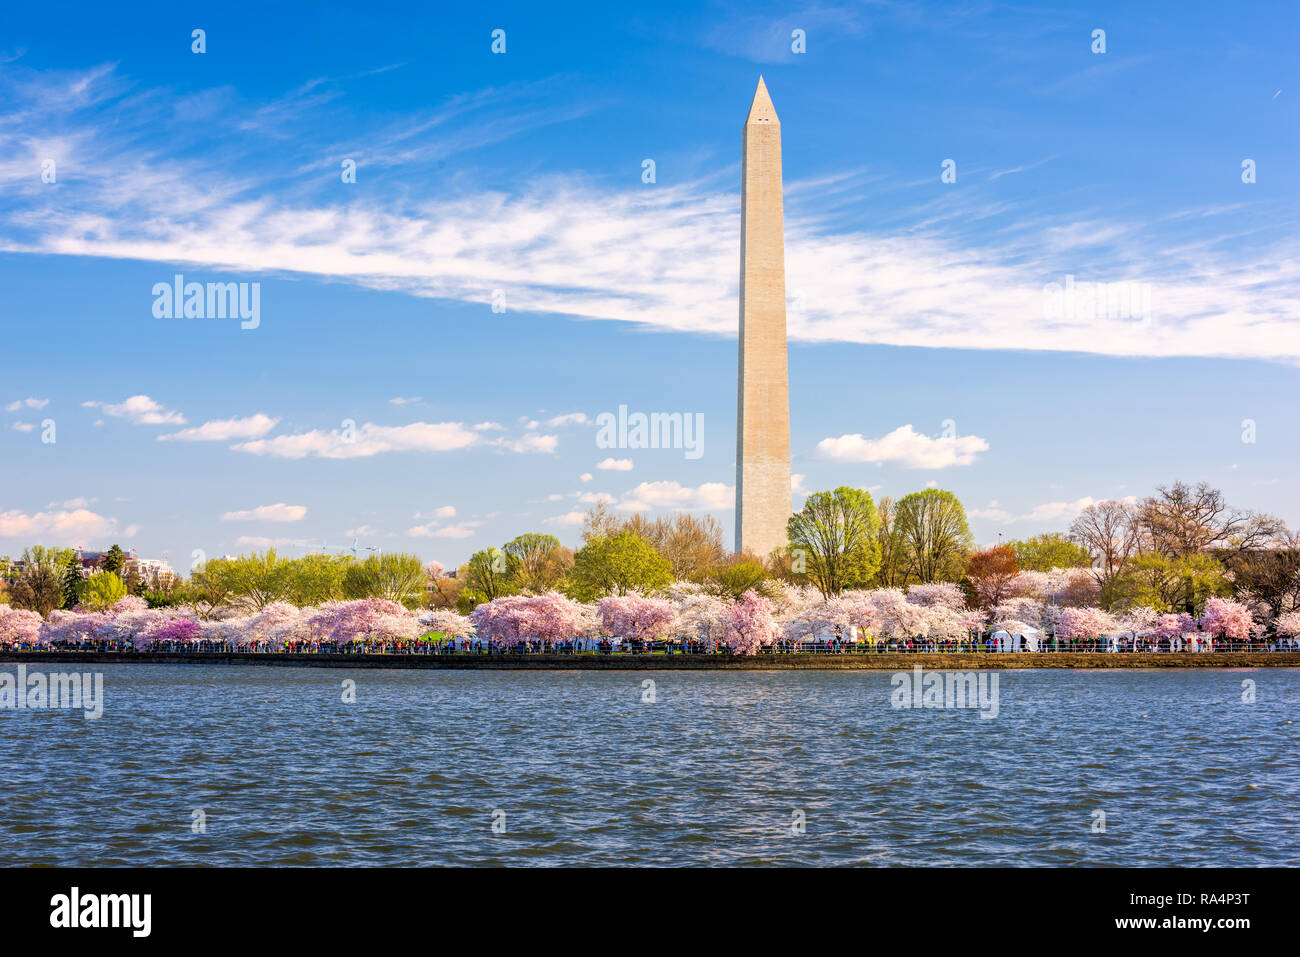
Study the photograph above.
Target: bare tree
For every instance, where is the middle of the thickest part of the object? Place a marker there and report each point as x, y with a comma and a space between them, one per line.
1181, 519
1112, 534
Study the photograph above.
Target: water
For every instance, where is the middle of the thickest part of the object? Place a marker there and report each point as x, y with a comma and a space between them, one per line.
711, 773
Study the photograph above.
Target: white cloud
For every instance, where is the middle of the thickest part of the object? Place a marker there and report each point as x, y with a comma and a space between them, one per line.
993, 512
368, 440
22, 426
268, 513
487, 427
796, 484
65, 525
1046, 512
446, 511
531, 442
261, 541
647, 495
223, 430
585, 476
459, 530
400, 400
79, 502
138, 410
906, 447
615, 465
560, 244
567, 519
572, 418
29, 403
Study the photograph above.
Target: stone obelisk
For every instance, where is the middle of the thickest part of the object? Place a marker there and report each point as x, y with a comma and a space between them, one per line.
763, 416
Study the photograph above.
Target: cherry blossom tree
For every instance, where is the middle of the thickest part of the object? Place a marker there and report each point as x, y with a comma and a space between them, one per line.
1086, 622
450, 625
70, 627
702, 616
554, 618
937, 594
1225, 618
180, 631
275, 624
20, 625
750, 625
130, 604
1021, 608
635, 617
377, 619
1289, 624
503, 621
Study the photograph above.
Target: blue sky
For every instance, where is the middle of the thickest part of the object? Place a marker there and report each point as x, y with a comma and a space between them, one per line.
916, 306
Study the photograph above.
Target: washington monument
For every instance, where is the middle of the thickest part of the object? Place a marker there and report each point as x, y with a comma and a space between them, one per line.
763, 400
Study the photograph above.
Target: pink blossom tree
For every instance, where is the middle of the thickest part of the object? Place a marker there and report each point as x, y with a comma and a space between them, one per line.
449, 624
129, 604
1085, 622
20, 625
937, 594
275, 624
554, 618
71, 627
750, 625
180, 631
702, 616
635, 617
1173, 626
1288, 624
1225, 618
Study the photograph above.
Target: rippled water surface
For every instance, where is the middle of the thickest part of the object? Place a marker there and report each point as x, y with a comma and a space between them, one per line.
711, 772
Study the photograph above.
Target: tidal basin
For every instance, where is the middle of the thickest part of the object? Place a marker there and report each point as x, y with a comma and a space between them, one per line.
212, 765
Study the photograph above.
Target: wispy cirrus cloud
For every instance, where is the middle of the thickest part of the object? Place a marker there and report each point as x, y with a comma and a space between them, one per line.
564, 245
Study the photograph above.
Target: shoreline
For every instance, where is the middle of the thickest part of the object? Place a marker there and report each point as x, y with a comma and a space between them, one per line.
898, 661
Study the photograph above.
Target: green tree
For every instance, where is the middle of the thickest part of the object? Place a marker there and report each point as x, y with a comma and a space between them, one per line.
936, 538
114, 560
539, 561
834, 535
1166, 583
256, 580
1050, 550
732, 576
893, 552
315, 578
396, 576
100, 591
626, 562
39, 588
489, 574
62, 565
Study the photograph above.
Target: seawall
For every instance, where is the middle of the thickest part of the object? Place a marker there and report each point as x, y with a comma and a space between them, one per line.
629, 662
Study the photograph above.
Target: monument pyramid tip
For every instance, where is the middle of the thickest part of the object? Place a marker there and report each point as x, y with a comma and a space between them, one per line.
761, 107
